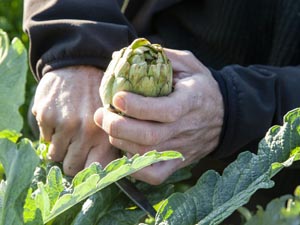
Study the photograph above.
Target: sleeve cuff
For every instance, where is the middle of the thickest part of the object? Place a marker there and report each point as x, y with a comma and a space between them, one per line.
219, 151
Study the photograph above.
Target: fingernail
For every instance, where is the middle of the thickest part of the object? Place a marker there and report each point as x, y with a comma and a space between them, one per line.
119, 103
98, 116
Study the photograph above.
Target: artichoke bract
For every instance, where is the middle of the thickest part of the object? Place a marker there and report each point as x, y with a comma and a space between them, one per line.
142, 68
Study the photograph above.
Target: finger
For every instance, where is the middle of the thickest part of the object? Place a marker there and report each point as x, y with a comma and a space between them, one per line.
61, 139
46, 132
46, 122
75, 158
160, 109
103, 153
59, 146
84, 143
134, 148
130, 147
141, 132
157, 173
184, 61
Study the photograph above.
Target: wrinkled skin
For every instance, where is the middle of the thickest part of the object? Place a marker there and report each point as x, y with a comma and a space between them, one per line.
64, 105
189, 120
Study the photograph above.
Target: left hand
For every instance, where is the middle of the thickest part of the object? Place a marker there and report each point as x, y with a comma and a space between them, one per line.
189, 120
64, 104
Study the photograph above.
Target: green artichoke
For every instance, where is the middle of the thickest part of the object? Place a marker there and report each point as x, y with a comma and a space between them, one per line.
142, 68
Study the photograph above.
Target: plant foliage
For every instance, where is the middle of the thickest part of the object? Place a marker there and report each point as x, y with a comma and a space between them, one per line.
56, 195
13, 70
215, 197
280, 211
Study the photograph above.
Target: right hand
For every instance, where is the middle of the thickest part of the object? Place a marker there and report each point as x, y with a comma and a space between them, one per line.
189, 120
64, 106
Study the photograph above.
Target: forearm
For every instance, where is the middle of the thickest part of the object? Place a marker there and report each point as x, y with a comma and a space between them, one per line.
74, 32
256, 98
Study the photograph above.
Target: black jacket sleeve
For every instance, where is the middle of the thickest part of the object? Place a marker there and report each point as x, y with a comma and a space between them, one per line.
255, 98
72, 32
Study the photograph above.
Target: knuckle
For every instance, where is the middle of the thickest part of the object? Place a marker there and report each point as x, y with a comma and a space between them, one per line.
54, 156
187, 52
174, 114
34, 110
151, 137
45, 117
115, 142
114, 128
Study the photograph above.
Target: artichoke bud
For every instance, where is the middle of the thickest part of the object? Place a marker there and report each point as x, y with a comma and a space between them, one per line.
142, 68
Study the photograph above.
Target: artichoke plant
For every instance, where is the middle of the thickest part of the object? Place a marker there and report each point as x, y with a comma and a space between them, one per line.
142, 68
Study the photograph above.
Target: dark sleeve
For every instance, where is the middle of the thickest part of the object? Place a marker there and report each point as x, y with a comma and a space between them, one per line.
72, 32
255, 98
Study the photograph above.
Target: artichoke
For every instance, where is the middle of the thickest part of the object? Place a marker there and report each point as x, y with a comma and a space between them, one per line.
142, 68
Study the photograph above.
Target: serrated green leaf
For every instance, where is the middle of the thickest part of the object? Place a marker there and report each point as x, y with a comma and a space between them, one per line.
94, 178
42, 200
111, 206
121, 216
66, 217
280, 211
11, 135
116, 164
13, 69
215, 197
16, 158
54, 184
120, 212
83, 175
96, 206
32, 215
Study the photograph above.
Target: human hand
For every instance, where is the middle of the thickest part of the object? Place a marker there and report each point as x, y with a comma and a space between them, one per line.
189, 120
64, 105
